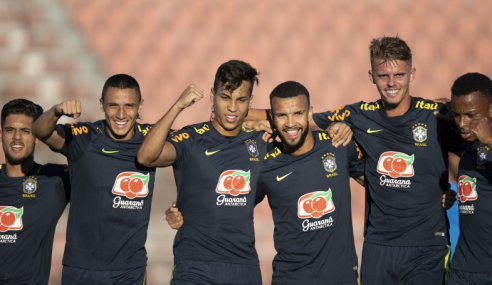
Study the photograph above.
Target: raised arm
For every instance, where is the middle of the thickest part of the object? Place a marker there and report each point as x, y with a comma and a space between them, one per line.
155, 151
45, 128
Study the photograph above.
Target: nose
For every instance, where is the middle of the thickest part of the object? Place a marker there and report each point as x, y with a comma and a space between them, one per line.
121, 114
17, 135
463, 122
232, 107
391, 81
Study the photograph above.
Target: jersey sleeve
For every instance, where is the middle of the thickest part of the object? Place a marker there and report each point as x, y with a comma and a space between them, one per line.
451, 139
341, 114
356, 160
182, 140
77, 138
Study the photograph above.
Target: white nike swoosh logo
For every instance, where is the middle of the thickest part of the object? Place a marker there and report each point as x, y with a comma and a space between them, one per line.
210, 152
281, 178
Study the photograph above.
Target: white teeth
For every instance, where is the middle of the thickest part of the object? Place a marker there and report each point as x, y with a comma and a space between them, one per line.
392, 91
292, 132
231, 117
120, 123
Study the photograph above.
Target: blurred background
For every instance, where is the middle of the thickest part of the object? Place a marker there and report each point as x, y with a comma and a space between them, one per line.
53, 50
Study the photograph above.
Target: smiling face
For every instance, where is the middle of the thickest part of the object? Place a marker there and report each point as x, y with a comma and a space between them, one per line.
392, 79
466, 108
291, 120
121, 108
17, 139
231, 108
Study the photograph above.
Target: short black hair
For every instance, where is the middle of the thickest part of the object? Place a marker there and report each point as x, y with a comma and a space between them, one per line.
289, 89
473, 82
21, 107
122, 81
231, 75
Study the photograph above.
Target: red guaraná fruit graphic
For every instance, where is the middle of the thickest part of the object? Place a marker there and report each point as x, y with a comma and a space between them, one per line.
234, 182
10, 218
315, 204
396, 164
131, 185
467, 188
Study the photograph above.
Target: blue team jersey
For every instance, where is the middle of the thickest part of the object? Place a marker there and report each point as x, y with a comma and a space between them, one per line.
474, 250
30, 207
111, 198
309, 195
216, 178
405, 171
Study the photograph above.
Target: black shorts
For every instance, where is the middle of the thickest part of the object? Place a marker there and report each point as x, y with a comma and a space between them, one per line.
81, 276
460, 277
401, 265
215, 273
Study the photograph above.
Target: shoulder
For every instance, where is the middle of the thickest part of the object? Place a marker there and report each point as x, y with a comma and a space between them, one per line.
83, 128
143, 128
52, 169
426, 104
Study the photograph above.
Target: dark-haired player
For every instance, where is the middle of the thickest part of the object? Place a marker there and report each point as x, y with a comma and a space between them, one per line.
111, 191
307, 182
216, 167
32, 199
471, 104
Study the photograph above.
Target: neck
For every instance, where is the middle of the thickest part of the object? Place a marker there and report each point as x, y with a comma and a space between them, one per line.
19, 170
305, 147
397, 110
232, 133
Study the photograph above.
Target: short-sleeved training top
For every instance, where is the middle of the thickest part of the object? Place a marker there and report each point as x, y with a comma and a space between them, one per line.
111, 198
405, 171
309, 195
216, 178
30, 207
474, 250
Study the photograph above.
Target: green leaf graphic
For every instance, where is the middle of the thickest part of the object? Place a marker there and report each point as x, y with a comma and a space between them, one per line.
17, 212
326, 195
242, 173
145, 178
408, 158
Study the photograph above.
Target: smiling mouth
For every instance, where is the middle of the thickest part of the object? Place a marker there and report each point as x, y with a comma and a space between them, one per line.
120, 123
292, 134
231, 119
16, 147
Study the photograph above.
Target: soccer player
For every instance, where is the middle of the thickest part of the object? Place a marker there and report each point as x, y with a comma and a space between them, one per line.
307, 182
216, 167
471, 104
111, 191
32, 199
406, 150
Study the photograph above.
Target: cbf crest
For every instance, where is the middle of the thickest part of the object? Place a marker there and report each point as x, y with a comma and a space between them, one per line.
330, 163
482, 155
29, 186
419, 132
252, 150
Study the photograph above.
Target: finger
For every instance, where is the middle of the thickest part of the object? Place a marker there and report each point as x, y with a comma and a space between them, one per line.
173, 205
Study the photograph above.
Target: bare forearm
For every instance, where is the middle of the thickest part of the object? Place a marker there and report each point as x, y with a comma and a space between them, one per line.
153, 145
256, 115
44, 126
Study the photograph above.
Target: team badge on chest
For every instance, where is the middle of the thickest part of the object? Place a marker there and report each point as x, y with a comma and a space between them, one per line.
29, 186
419, 132
482, 155
252, 150
330, 164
